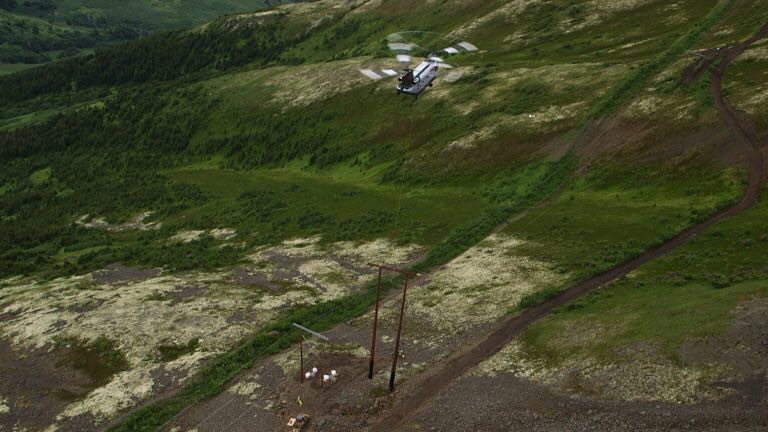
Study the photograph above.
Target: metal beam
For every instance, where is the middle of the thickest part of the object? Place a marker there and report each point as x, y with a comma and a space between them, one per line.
313, 333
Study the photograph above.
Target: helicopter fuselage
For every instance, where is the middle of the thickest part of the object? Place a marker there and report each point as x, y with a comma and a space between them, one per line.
414, 81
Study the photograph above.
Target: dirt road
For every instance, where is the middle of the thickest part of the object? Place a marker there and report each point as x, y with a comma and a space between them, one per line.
503, 333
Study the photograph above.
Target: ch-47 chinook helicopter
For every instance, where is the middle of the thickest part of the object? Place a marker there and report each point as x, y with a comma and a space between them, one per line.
414, 81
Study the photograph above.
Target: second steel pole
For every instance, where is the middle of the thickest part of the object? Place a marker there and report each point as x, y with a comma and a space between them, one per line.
397, 338
301, 361
375, 321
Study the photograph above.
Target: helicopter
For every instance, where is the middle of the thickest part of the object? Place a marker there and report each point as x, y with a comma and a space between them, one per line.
414, 81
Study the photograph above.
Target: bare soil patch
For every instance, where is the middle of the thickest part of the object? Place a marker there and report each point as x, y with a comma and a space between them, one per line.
37, 385
118, 273
505, 403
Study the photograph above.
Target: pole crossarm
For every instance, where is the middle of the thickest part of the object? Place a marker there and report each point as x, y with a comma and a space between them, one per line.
313, 333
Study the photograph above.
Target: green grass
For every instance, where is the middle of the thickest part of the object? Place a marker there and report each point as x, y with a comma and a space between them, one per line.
740, 82
5, 188
636, 81
689, 293
738, 25
629, 313
345, 203
620, 38
9, 68
512, 194
40, 176
29, 37
41, 111
612, 215
65, 256
30, 118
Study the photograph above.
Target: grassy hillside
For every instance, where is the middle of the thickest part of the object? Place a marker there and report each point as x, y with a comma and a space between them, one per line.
675, 322
249, 162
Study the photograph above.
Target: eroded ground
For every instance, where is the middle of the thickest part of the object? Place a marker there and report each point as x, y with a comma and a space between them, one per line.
445, 309
707, 369
156, 329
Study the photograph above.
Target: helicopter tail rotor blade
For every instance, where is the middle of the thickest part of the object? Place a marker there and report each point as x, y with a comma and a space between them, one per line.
453, 76
401, 46
403, 58
465, 46
371, 74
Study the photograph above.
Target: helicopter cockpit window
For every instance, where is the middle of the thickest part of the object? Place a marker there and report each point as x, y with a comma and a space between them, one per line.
407, 79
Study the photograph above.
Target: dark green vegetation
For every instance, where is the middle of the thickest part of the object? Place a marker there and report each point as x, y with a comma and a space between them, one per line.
121, 164
38, 31
279, 204
99, 359
174, 351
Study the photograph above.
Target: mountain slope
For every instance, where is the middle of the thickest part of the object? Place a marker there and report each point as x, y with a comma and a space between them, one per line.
38, 31
170, 205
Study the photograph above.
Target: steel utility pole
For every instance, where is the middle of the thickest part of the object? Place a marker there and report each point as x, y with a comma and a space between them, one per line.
396, 354
407, 275
301, 361
375, 322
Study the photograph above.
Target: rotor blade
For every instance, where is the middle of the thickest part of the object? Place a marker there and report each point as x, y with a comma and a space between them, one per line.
452, 77
436, 58
444, 66
468, 46
399, 46
371, 74
394, 37
390, 72
451, 50
403, 58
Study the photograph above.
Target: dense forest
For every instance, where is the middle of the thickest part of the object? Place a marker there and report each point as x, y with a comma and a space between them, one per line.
108, 160
165, 56
40, 31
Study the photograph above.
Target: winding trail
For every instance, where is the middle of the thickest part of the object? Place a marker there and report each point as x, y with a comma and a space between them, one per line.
505, 331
